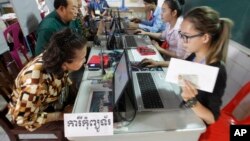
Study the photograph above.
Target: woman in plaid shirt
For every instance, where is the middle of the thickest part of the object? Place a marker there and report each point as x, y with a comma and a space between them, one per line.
42, 80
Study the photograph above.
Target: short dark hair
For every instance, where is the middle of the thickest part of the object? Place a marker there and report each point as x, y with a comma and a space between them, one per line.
58, 3
62, 48
151, 1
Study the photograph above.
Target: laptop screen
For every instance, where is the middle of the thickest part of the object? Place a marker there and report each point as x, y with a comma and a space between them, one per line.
121, 78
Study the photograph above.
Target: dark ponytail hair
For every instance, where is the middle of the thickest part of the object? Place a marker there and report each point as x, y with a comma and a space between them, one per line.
175, 5
62, 48
207, 20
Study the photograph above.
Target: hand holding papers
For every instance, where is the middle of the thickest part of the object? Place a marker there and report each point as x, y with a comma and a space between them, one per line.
202, 76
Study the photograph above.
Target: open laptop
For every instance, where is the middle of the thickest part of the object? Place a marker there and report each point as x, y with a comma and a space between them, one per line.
153, 93
133, 41
105, 101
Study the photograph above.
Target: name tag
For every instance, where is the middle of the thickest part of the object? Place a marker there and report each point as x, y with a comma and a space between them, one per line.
88, 124
97, 12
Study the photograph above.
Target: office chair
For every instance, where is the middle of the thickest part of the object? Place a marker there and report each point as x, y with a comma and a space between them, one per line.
14, 30
220, 130
12, 130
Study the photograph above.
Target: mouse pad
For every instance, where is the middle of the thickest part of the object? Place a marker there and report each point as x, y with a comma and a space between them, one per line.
145, 50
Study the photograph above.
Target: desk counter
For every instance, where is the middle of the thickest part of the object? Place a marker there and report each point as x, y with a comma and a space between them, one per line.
175, 125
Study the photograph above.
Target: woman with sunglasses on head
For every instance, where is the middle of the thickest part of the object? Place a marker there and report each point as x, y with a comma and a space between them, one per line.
171, 15
205, 35
41, 82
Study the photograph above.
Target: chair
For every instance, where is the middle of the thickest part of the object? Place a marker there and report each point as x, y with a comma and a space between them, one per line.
220, 130
15, 30
8, 72
42, 14
9, 64
12, 130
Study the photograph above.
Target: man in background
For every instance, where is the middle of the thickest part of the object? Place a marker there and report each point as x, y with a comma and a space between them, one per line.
65, 12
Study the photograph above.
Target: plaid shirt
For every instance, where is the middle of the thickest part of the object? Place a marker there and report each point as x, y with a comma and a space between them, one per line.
33, 91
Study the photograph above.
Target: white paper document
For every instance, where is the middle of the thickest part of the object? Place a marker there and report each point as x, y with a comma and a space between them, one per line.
88, 124
202, 76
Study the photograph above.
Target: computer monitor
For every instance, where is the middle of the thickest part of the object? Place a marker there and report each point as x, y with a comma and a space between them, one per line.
121, 79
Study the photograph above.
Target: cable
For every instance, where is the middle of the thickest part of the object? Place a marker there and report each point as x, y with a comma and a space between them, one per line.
129, 120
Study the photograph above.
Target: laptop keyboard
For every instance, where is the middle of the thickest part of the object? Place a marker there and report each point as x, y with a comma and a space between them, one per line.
150, 96
130, 40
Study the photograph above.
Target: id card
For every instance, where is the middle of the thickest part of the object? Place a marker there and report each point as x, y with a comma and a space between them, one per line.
98, 12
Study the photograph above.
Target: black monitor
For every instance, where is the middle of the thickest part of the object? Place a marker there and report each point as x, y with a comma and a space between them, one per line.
123, 89
120, 79
122, 82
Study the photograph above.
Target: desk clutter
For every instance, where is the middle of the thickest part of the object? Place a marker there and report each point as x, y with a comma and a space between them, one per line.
109, 60
96, 60
122, 70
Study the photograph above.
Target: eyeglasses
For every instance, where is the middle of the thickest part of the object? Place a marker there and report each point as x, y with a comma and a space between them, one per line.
185, 38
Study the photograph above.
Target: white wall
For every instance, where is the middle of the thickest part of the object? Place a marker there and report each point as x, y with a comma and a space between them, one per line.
27, 14
3, 45
3, 1
50, 4
238, 70
128, 3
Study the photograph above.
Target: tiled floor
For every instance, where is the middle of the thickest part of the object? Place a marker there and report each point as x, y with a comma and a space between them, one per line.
3, 136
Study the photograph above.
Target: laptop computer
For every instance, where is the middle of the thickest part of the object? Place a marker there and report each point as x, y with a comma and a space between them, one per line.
114, 36
153, 93
133, 41
106, 101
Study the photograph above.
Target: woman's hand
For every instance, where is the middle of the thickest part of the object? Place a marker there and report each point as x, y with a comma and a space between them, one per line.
189, 90
156, 45
189, 93
68, 109
150, 62
55, 116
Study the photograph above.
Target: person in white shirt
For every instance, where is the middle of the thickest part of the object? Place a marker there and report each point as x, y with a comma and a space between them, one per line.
171, 15
43, 7
2, 24
83, 7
